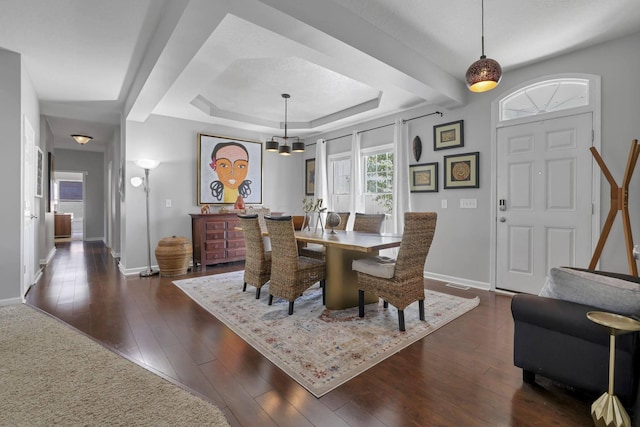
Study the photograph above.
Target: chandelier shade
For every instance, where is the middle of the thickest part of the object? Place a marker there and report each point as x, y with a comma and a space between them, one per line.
486, 73
285, 150
81, 139
271, 145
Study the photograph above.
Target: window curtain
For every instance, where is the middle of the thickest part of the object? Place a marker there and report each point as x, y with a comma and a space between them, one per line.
321, 178
401, 192
356, 200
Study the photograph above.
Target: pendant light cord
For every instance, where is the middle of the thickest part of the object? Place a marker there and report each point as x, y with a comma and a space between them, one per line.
482, 5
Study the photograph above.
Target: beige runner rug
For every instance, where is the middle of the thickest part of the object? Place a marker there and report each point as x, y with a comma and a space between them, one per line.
50, 374
319, 348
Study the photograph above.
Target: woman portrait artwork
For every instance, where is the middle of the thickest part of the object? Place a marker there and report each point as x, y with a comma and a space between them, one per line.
228, 169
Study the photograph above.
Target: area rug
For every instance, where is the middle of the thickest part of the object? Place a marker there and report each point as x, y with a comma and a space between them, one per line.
50, 374
319, 348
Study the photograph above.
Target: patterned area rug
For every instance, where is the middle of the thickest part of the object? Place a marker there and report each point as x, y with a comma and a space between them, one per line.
319, 348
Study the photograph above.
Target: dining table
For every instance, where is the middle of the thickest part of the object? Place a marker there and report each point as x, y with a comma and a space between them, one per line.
342, 247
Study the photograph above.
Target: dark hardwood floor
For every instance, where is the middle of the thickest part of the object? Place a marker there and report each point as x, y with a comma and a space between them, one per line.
460, 375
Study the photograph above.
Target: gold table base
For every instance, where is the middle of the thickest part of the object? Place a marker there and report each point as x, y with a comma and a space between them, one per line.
607, 411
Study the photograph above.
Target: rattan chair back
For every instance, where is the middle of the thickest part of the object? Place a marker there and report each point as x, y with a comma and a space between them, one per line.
291, 274
407, 284
257, 265
368, 223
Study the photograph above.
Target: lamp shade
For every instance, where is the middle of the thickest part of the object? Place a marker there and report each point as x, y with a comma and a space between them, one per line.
297, 147
81, 139
285, 150
147, 163
271, 145
483, 75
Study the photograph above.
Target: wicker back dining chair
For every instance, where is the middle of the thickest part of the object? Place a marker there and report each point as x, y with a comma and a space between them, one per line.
291, 274
257, 265
319, 251
399, 283
368, 223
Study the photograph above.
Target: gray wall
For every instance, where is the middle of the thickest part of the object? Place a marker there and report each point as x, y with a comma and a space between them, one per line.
92, 163
174, 143
17, 98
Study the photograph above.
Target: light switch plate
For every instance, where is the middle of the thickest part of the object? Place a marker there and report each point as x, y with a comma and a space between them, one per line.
468, 203
443, 203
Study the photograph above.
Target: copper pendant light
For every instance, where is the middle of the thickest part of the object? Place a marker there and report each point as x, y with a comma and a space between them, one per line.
484, 74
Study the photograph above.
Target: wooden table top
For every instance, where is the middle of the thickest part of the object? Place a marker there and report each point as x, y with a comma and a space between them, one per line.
351, 240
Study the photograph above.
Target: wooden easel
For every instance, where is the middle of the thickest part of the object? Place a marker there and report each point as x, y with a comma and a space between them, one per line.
619, 202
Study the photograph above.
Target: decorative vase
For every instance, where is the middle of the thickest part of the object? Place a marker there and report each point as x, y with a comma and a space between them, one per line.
173, 255
239, 203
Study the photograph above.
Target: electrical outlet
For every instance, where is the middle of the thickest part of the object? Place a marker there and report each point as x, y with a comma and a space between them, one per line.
468, 203
167, 203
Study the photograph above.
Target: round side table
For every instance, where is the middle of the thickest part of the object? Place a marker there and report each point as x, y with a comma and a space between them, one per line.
607, 411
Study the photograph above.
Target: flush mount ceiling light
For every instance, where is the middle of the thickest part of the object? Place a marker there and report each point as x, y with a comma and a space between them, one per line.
484, 74
285, 149
81, 139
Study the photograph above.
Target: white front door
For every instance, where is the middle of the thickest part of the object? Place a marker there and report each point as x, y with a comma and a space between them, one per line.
29, 223
544, 193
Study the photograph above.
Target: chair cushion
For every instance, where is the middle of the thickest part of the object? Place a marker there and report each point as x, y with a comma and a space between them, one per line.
378, 266
583, 287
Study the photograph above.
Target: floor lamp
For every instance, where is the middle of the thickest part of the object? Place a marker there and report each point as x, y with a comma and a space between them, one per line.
136, 181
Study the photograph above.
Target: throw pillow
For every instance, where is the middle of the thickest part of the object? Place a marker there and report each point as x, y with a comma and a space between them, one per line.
583, 287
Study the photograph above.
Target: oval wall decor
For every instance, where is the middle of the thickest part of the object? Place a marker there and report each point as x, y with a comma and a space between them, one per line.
417, 148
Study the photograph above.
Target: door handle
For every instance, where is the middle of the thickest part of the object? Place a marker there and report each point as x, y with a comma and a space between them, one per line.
33, 216
502, 219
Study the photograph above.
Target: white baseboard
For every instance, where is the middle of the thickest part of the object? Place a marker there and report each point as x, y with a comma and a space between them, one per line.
49, 257
94, 239
10, 301
458, 280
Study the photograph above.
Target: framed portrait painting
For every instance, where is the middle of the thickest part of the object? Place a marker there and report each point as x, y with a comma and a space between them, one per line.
462, 171
448, 135
424, 178
310, 177
228, 168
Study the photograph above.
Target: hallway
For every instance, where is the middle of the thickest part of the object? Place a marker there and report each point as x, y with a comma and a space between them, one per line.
461, 375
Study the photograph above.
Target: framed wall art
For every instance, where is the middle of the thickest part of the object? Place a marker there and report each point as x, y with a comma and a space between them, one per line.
424, 178
50, 169
310, 177
462, 171
228, 168
448, 135
39, 172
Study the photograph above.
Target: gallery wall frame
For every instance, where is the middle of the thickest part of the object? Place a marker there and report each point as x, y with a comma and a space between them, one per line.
50, 186
424, 178
310, 177
39, 172
228, 167
448, 135
462, 170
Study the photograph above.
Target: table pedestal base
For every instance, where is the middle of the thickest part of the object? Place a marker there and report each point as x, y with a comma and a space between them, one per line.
607, 411
342, 282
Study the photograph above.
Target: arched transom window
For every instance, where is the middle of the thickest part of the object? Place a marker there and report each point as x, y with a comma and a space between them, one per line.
545, 97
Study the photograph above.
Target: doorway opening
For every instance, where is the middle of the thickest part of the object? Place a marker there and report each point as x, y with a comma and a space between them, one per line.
69, 206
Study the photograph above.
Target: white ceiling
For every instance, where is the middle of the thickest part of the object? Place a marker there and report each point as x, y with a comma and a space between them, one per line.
228, 61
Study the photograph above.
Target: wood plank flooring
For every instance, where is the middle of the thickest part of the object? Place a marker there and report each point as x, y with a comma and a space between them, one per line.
460, 375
